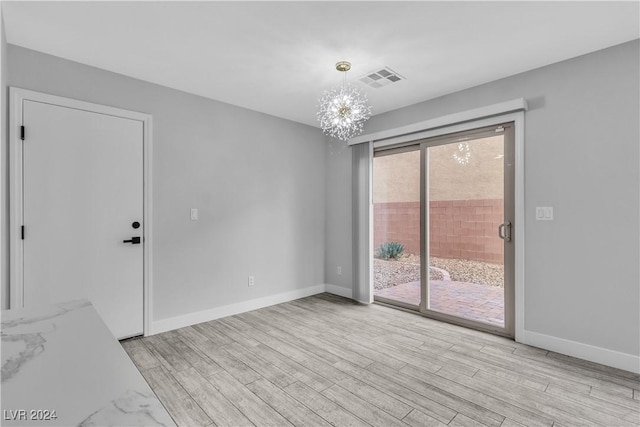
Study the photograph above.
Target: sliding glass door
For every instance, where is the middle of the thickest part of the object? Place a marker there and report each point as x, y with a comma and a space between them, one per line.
396, 227
443, 213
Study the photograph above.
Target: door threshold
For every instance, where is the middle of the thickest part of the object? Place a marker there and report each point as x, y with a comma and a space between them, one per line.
452, 320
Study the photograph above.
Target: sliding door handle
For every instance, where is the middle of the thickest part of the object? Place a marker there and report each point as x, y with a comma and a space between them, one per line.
504, 231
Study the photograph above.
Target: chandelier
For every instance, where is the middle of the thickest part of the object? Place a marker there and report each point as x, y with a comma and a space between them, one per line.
344, 109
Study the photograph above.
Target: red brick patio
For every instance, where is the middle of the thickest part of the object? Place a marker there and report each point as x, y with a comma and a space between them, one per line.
468, 300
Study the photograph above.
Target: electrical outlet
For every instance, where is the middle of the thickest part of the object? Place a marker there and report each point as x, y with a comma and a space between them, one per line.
251, 281
339, 271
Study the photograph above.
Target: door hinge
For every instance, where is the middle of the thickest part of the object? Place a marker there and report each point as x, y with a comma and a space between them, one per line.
22, 232
22, 133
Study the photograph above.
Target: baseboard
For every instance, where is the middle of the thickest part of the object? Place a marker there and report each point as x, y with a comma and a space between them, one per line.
615, 359
177, 322
339, 290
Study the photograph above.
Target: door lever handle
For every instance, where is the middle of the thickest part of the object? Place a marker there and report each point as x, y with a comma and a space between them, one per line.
134, 240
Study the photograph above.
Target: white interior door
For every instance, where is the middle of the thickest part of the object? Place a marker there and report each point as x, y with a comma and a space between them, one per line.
82, 194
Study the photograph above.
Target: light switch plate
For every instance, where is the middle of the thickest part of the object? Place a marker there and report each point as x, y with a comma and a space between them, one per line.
544, 213
194, 214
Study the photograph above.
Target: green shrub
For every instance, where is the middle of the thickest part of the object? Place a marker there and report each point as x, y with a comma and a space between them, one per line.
390, 250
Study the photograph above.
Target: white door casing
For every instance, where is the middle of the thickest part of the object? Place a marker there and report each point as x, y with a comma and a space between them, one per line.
79, 180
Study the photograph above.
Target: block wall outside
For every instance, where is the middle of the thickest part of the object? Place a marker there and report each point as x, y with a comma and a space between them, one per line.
465, 229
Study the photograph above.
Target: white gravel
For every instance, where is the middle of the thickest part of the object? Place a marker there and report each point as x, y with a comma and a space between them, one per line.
407, 269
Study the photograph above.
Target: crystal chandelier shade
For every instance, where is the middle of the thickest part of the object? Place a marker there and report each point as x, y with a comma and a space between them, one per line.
343, 110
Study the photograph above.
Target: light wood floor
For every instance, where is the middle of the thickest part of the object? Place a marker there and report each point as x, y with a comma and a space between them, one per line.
325, 360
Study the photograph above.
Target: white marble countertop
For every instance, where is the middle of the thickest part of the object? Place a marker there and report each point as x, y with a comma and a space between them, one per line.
63, 358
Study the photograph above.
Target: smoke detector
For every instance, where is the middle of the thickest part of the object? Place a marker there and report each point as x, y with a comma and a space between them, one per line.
381, 77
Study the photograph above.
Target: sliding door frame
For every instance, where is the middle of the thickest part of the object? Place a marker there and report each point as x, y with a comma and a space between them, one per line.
517, 118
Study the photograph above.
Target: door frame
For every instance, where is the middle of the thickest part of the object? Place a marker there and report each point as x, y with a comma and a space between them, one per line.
465, 122
16, 245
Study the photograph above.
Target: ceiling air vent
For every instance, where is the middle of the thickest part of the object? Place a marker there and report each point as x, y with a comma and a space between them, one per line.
381, 77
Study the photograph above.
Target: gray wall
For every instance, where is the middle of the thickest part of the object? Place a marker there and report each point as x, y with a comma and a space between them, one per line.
4, 177
581, 157
338, 240
259, 182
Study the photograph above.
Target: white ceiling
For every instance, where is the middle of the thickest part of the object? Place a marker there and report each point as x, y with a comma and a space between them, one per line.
278, 57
